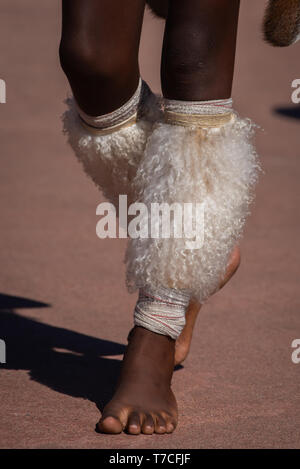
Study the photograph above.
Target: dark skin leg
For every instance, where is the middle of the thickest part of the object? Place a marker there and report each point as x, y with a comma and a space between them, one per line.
199, 49
99, 51
144, 402
191, 71
99, 56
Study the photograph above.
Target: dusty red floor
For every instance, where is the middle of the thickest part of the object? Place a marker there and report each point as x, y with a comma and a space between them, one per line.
239, 387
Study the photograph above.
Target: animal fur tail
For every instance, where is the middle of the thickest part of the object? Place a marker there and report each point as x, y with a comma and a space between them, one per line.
281, 24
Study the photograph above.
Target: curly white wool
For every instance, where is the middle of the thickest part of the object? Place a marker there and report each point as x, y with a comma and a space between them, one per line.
111, 160
218, 168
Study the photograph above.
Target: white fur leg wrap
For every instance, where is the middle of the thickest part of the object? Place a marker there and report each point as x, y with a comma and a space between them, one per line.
202, 153
161, 310
111, 146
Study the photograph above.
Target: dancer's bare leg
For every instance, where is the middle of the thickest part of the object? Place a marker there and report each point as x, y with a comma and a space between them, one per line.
199, 49
183, 342
99, 54
99, 51
197, 64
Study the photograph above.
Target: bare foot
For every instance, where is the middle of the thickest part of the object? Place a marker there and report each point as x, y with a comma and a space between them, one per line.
143, 401
183, 342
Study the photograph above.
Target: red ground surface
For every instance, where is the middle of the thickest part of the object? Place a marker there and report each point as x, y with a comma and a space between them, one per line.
239, 387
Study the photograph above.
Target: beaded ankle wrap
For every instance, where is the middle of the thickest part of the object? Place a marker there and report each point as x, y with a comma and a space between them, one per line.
162, 310
125, 116
205, 114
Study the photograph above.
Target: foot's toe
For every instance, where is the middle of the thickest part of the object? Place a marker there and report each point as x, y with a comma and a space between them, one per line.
134, 423
160, 424
110, 424
170, 421
170, 425
148, 425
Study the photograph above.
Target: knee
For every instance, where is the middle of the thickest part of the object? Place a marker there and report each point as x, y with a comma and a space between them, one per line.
102, 77
94, 62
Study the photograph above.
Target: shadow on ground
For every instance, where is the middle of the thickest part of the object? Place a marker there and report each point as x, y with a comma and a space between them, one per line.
292, 112
64, 360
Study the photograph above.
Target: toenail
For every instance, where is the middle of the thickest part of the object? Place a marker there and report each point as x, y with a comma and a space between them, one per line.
162, 429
